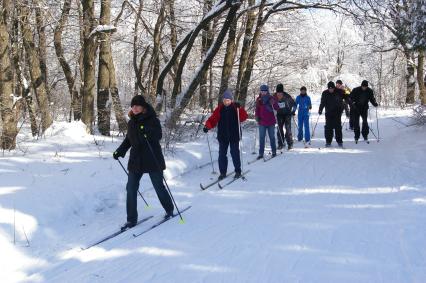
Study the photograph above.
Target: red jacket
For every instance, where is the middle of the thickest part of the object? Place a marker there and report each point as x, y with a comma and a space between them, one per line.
227, 121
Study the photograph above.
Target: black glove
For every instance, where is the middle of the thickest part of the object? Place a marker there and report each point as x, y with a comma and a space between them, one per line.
237, 104
293, 113
257, 119
376, 105
205, 130
320, 112
117, 154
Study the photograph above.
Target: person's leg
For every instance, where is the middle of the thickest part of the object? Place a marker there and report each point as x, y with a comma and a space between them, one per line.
300, 126
288, 133
132, 196
280, 132
262, 134
162, 193
271, 134
338, 129
351, 118
365, 127
235, 154
356, 125
306, 126
328, 129
223, 159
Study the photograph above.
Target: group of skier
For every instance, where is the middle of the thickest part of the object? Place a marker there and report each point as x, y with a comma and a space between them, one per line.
336, 99
144, 132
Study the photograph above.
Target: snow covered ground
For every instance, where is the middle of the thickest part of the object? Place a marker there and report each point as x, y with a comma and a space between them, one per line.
310, 215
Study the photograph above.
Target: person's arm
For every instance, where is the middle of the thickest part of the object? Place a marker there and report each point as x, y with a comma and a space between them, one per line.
322, 104
214, 119
372, 99
274, 103
243, 114
122, 149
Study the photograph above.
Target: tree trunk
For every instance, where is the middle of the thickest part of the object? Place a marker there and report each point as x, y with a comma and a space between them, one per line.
420, 76
187, 94
156, 51
206, 42
9, 131
103, 104
42, 45
89, 53
57, 40
188, 40
245, 80
409, 78
228, 61
37, 80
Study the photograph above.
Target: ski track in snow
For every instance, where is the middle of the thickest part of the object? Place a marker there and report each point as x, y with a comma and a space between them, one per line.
308, 215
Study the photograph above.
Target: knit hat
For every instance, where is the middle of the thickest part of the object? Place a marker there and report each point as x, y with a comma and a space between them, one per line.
138, 100
264, 88
227, 94
279, 88
331, 85
364, 83
303, 88
339, 82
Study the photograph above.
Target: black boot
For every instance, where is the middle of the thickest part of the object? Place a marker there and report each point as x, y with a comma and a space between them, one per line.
221, 177
128, 225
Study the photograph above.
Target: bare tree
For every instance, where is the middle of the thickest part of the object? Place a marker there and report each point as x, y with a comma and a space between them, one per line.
9, 131
37, 81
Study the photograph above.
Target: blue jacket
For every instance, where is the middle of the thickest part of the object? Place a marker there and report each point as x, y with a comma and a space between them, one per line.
304, 103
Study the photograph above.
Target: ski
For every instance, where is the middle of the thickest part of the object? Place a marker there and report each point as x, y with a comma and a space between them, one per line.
265, 159
158, 223
221, 186
115, 234
253, 161
204, 187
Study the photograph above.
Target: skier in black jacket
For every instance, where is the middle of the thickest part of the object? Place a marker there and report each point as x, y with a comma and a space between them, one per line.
360, 97
333, 100
143, 128
284, 113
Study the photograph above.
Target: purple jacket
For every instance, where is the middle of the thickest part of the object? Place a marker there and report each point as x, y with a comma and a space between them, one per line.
264, 110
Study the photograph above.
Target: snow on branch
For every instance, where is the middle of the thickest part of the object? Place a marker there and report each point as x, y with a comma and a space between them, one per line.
103, 29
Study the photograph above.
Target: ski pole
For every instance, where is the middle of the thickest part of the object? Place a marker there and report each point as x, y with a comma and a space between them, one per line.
210, 151
164, 179
240, 142
370, 125
127, 173
313, 132
377, 123
295, 123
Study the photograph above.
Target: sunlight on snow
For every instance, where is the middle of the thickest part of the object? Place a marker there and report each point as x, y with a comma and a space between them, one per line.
207, 268
100, 254
22, 221
9, 190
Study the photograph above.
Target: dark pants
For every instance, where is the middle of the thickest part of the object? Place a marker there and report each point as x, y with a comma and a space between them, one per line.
333, 123
351, 118
132, 193
365, 128
223, 159
284, 121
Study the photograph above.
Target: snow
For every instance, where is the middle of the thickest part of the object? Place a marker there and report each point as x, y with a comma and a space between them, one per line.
310, 215
103, 28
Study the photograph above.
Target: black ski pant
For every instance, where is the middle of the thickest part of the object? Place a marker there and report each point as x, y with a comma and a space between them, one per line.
333, 124
284, 122
132, 193
223, 159
363, 113
351, 118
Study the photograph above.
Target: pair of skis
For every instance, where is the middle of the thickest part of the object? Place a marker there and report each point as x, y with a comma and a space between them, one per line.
221, 183
115, 234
